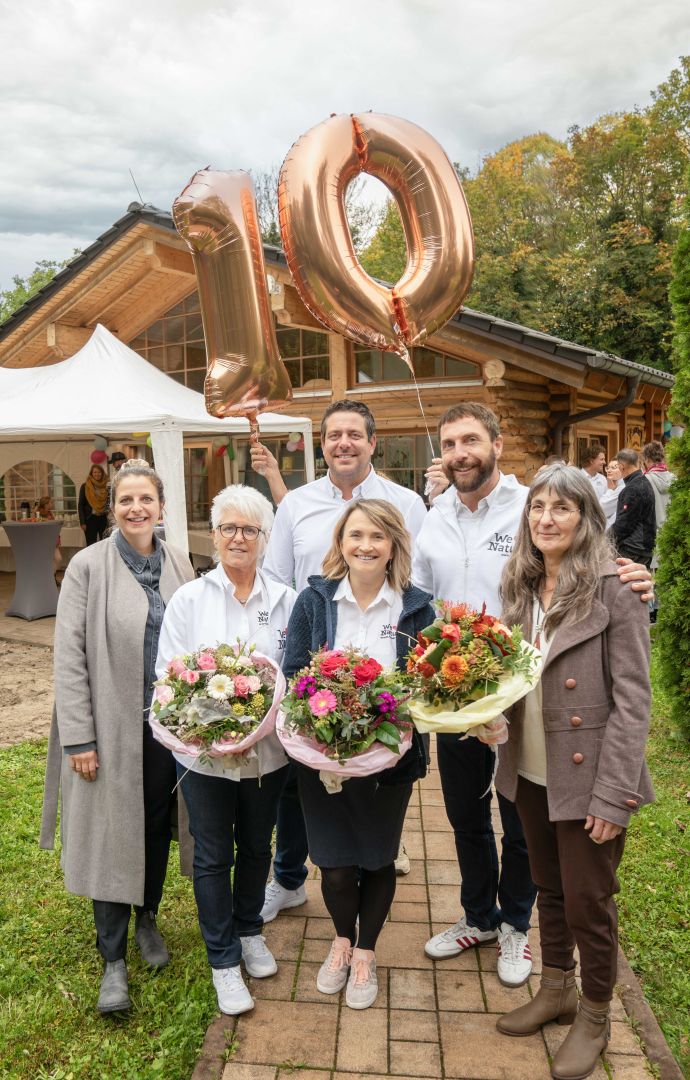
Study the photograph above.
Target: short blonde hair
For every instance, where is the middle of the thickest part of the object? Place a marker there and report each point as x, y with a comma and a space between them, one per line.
386, 517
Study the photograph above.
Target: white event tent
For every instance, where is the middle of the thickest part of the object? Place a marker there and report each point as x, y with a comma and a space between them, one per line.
108, 389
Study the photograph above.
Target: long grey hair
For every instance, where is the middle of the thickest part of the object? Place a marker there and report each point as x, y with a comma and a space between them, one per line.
578, 577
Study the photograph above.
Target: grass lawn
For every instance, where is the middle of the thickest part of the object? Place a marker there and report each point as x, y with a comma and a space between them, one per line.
50, 971
654, 905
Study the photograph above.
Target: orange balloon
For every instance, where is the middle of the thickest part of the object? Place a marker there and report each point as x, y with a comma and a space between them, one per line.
216, 216
317, 241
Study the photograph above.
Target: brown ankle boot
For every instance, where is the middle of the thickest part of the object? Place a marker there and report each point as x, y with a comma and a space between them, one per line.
556, 999
586, 1040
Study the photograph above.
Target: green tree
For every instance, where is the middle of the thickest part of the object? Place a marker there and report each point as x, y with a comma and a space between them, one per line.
673, 580
385, 255
24, 288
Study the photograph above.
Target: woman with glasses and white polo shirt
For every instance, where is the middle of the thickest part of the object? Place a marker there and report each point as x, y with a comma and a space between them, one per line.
230, 803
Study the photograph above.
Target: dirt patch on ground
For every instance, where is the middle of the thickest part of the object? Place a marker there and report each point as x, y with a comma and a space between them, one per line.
26, 692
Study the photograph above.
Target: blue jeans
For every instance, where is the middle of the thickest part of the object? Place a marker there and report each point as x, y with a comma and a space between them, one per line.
231, 823
289, 864
466, 768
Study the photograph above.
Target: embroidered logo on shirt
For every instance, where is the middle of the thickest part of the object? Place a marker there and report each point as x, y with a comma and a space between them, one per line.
282, 638
502, 543
263, 618
388, 631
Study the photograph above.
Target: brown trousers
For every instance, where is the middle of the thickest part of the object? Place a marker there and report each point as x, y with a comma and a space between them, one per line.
576, 879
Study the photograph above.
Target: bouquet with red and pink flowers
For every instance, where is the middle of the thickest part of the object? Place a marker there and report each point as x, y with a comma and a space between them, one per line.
218, 701
466, 669
344, 708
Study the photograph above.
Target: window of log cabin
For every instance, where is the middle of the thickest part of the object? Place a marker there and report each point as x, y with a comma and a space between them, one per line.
373, 366
175, 344
305, 355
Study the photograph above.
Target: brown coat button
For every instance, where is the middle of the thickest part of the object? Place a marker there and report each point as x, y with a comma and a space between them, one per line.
576, 721
631, 803
571, 684
578, 758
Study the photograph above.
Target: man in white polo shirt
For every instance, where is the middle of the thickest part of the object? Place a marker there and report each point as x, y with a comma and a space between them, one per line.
608, 485
459, 555
301, 536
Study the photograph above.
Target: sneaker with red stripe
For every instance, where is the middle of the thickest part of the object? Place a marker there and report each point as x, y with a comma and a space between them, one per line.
514, 956
456, 939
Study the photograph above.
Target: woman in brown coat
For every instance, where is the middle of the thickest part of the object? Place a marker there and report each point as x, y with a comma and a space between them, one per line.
574, 763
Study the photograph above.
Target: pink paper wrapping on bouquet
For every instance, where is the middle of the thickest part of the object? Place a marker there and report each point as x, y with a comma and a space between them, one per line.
221, 749
376, 759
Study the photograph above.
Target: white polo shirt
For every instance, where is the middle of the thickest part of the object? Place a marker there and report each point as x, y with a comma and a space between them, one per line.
373, 631
305, 519
608, 497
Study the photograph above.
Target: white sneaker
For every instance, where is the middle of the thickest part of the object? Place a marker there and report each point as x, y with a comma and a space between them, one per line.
362, 986
456, 939
402, 862
277, 898
514, 956
335, 968
258, 959
233, 996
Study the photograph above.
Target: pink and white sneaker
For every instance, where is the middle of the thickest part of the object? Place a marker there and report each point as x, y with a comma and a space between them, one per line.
456, 939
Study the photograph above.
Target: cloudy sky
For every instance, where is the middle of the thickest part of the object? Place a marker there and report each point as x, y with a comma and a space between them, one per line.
93, 88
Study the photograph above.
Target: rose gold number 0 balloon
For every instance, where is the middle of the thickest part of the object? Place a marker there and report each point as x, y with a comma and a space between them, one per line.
217, 218
318, 245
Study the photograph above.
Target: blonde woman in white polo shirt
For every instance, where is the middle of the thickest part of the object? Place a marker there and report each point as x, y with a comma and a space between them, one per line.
230, 803
365, 600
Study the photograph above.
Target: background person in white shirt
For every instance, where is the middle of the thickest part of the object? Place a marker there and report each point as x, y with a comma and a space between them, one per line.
226, 800
606, 482
459, 555
363, 600
300, 538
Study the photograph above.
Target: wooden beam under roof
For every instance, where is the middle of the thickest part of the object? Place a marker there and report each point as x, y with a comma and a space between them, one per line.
464, 344
290, 311
64, 341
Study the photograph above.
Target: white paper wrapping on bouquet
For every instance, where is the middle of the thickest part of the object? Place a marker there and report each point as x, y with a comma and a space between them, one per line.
221, 749
309, 752
462, 721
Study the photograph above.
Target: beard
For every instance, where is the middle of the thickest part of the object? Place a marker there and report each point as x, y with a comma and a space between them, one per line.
474, 480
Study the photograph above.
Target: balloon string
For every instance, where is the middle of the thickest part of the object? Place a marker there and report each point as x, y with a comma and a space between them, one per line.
406, 357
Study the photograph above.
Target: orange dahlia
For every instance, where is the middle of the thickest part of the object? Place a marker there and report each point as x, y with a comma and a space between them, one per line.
456, 612
454, 669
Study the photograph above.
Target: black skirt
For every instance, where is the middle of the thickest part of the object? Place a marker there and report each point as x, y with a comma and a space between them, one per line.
360, 825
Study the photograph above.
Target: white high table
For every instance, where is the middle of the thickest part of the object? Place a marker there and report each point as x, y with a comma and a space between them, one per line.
33, 545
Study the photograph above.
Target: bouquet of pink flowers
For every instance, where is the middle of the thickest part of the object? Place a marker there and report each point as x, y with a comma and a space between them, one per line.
218, 701
344, 714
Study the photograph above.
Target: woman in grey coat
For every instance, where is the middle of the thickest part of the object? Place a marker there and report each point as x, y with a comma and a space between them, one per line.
574, 762
117, 782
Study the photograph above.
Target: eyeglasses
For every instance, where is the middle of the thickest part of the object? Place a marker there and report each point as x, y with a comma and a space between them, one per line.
559, 514
249, 532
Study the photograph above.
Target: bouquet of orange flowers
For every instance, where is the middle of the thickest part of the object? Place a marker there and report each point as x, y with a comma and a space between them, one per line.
466, 668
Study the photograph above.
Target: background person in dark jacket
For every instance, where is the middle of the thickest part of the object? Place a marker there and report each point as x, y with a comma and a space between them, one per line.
364, 600
634, 529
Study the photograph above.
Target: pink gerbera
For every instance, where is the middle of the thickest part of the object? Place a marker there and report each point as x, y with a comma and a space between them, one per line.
322, 702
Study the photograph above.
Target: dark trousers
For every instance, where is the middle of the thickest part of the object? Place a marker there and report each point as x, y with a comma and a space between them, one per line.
577, 881
289, 863
112, 920
95, 528
224, 815
466, 768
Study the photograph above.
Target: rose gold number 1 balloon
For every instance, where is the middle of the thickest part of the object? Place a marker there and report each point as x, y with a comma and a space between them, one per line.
217, 218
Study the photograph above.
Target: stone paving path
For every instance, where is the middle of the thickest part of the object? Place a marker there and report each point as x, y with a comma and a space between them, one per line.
432, 1019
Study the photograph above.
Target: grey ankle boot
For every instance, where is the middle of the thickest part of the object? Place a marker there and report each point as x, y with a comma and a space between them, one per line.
150, 941
578, 1055
114, 994
556, 1000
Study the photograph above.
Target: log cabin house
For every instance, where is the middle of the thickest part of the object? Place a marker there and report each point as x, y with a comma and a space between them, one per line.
137, 279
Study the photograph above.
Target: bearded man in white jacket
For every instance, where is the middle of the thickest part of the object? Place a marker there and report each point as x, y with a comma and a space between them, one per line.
459, 555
